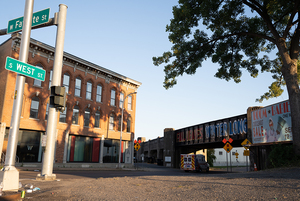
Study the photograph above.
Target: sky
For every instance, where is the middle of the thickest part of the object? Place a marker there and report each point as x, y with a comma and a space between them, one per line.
123, 36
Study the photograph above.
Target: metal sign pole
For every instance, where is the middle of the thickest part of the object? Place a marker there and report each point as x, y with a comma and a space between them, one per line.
9, 175
230, 161
48, 160
227, 160
247, 162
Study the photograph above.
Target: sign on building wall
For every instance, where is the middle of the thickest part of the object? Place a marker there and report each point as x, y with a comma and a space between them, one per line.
272, 123
215, 131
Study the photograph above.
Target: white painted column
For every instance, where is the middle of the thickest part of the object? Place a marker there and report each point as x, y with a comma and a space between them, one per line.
66, 146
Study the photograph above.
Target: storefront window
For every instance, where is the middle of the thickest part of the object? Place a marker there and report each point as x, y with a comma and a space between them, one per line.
111, 155
28, 149
83, 149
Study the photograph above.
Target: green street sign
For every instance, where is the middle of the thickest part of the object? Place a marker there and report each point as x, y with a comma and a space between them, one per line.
25, 69
38, 18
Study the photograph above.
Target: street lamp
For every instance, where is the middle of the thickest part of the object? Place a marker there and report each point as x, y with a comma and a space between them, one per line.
122, 128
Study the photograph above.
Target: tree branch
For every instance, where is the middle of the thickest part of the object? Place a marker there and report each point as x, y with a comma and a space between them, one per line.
290, 22
244, 34
259, 9
294, 48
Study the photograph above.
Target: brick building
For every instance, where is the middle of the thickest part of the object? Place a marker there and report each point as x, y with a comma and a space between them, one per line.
89, 128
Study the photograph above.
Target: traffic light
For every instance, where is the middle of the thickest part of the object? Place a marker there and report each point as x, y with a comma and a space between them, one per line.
58, 96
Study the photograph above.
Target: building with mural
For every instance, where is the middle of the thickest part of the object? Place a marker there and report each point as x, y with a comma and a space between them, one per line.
88, 130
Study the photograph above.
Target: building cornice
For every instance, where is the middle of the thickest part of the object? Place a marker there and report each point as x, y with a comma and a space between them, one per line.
47, 51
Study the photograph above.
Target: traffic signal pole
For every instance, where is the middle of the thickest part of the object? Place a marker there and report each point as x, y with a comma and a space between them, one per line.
9, 175
48, 159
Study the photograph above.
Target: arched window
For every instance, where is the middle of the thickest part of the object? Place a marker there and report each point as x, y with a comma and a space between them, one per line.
89, 87
111, 121
36, 82
78, 87
113, 97
128, 125
87, 117
66, 82
99, 93
97, 119
75, 115
63, 116
34, 108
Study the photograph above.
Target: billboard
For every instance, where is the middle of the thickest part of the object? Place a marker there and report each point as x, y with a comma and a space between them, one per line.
272, 123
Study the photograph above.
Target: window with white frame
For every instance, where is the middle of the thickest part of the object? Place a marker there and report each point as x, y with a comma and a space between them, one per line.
99, 93
36, 82
119, 123
47, 111
113, 97
77, 87
66, 82
220, 153
75, 115
34, 108
111, 122
50, 78
89, 90
63, 116
128, 125
86, 117
97, 119
129, 103
121, 100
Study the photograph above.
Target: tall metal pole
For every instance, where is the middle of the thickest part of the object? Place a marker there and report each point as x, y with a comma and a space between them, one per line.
48, 160
9, 174
230, 161
122, 128
227, 160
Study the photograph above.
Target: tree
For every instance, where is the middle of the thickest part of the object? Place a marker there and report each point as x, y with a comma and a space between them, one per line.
211, 157
239, 36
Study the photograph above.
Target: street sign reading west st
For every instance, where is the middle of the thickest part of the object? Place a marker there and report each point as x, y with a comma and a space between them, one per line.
38, 18
25, 69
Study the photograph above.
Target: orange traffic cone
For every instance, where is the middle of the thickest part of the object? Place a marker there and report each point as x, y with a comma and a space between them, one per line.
255, 168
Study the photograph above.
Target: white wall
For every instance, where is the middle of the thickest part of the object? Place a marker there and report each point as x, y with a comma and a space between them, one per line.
221, 157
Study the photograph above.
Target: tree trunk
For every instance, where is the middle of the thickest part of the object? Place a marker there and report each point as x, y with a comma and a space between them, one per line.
289, 71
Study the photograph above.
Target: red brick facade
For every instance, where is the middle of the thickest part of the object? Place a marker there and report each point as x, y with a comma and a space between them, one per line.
42, 54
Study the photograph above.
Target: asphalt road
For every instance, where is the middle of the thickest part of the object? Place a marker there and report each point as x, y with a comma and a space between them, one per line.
152, 182
140, 170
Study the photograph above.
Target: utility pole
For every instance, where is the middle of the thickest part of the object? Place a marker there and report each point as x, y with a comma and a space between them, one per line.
48, 159
9, 175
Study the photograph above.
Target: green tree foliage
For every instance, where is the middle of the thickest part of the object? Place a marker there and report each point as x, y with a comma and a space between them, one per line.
282, 156
211, 157
238, 35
